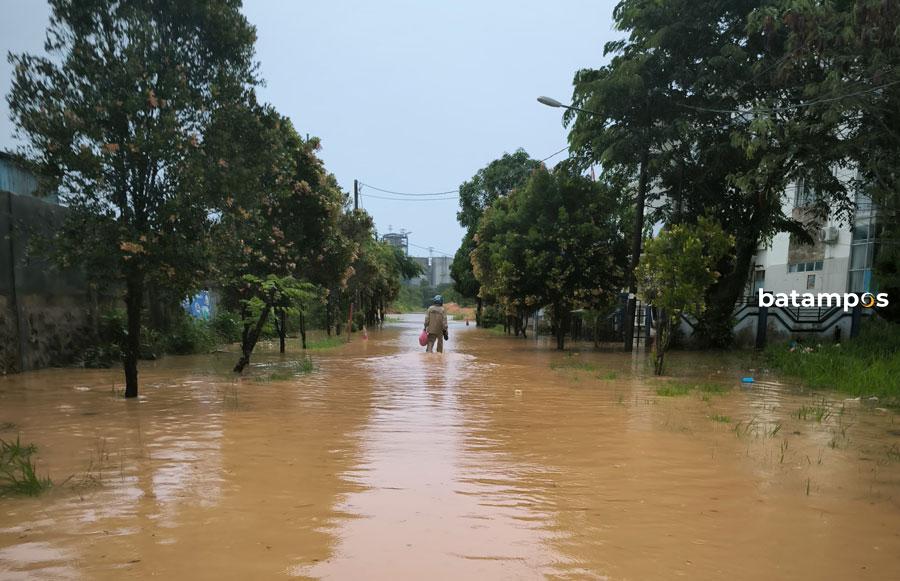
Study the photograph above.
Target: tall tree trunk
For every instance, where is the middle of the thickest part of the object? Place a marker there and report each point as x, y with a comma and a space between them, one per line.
562, 325
249, 339
134, 301
663, 339
302, 329
636, 241
477, 311
328, 316
282, 330
715, 328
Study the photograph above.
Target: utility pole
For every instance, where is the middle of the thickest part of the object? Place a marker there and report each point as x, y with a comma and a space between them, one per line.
355, 195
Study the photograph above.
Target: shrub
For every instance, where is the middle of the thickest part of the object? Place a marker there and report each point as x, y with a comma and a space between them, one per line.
867, 365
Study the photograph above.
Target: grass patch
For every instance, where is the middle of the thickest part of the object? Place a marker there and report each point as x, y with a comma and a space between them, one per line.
866, 366
325, 343
299, 367
608, 376
720, 418
18, 474
574, 365
673, 390
496, 330
818, 412
713, 388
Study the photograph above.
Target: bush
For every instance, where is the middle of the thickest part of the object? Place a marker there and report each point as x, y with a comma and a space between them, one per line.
227, 326
491, 315
865, 366
187, 336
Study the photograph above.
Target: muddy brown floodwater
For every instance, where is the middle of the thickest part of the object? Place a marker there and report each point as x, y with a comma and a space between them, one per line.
500, 459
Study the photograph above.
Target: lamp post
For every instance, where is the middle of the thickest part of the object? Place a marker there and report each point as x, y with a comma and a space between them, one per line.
637, 236
550, 102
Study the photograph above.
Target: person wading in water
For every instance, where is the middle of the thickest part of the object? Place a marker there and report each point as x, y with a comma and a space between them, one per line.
436, 325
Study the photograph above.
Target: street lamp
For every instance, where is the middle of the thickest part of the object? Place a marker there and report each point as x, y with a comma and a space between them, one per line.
550, 102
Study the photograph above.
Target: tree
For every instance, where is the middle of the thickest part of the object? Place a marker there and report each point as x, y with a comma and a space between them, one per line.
841, 59
112, 117
558, 242
716, 149
676, 270
278, 225
492, 182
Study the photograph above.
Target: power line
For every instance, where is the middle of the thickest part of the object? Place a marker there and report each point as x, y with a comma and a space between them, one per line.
554, 154
410, 194
410, 199
790, 107
431, 249
430, 196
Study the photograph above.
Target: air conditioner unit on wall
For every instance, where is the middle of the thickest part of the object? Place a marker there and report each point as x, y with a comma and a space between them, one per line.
828, 235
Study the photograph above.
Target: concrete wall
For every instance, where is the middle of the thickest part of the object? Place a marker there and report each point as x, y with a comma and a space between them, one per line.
45, 313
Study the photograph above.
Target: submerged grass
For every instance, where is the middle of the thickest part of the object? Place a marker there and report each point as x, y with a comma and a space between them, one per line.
574, 365
299, 367
866, 366
18, 475
818, 412
325, 343
676, 388
673, 390
720, 418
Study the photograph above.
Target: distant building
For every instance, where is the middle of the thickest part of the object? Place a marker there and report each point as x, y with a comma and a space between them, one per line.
440, 270
435, 270
399, 240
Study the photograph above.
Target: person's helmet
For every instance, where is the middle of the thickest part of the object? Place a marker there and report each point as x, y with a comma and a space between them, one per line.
438, 300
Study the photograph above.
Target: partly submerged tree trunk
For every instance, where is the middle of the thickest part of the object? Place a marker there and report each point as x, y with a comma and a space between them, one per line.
249, 338
134, 299
663, 339
302, 329
561, 313
478, 311
282, 330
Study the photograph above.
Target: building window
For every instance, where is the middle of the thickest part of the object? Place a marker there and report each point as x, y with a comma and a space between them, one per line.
810, 281
804, 195
759, 280
811, 266
862, 246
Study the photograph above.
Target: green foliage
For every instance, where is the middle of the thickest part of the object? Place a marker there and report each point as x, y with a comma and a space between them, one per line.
189, 335
713, 96
841, 59
326, 343
678, 266
557, 241
673, 390
493, 182
227, 326
113, 118
18, 475
676, 271
866, 366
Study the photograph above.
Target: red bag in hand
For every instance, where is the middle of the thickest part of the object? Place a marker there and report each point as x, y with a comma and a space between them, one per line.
423, 338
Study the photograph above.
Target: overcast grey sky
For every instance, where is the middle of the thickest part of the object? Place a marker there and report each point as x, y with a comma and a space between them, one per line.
410, 96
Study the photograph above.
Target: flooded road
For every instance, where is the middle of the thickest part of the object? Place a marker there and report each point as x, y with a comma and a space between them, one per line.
499, 459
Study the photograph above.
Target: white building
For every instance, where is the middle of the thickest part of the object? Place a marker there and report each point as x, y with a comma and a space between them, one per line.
840, 259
